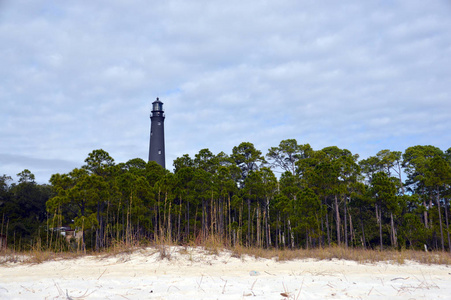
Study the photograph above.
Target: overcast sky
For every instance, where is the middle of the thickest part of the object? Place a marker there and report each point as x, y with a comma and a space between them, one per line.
76, 76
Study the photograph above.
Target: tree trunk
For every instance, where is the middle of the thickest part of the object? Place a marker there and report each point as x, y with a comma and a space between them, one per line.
351, 230
204, 217
440, 220
179, 220
447, 223
394, 239
248, 222
346, 222
187, 221
169, 234
258, 226
276, 241
322, 229
291, 234
400, 179
380, 224
127, 230
425, 213
337, 220
222, 215
240, 223
327, 227
230, 220
363, 230
212, 214
195, 222
268, 231
159, 214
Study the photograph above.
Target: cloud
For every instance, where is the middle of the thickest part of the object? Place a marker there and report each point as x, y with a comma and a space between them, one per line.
81, 76
40, 167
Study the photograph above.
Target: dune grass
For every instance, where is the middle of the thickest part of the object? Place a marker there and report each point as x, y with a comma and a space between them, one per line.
352, 254
214, 246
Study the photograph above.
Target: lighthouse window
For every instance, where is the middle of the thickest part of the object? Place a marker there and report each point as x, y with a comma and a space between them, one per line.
159, 151
159, 123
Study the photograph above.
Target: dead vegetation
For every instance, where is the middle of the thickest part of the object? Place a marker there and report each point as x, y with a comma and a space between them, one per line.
352, 254
214, 247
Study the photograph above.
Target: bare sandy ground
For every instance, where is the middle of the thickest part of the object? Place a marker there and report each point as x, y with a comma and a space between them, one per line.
195, 274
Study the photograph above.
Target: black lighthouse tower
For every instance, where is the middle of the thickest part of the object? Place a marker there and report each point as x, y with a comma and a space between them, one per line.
156, 144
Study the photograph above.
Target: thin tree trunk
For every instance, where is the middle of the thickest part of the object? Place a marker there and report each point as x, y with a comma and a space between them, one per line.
291, 234
127, 231
268, 231
222, 216
380, 224
169, 234
187, 218
351, 230
258, 226
230, 220
430, 207
277, 230
240, 224
204, 220
425, 213
254, 225
393, 231
440, 220
322, 229
248, 222
327, 227
195, 222
346, 221
284, 231
363, 229
400, 179
212, 215
447, 223
179, 220
265, 217
159, 215
337, 220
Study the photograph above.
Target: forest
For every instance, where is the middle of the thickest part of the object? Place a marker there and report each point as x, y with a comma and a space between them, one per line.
319, 198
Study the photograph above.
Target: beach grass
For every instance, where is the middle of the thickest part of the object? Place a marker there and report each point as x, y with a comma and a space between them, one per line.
214, 246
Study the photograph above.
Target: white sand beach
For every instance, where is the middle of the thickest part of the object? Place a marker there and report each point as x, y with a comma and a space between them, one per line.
195, 274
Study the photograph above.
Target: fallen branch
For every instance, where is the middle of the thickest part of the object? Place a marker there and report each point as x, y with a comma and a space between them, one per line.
398, 278
101, 274
223, 289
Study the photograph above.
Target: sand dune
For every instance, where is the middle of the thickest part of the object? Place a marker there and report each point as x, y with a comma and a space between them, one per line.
195, 274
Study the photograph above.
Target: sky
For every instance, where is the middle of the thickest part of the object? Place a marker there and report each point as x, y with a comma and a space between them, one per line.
76, 76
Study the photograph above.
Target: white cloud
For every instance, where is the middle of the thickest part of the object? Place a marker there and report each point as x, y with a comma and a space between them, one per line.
81, 76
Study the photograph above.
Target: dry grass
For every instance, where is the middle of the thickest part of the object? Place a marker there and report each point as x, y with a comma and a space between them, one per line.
119, 248
10, 256
214, 246
163, 246
35, 256
353, 254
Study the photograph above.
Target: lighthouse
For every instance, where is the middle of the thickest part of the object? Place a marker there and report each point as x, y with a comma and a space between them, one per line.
156, 144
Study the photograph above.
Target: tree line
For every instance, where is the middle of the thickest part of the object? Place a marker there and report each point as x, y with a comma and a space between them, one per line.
321, 198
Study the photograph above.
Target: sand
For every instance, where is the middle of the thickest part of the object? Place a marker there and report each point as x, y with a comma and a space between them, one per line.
192, 273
